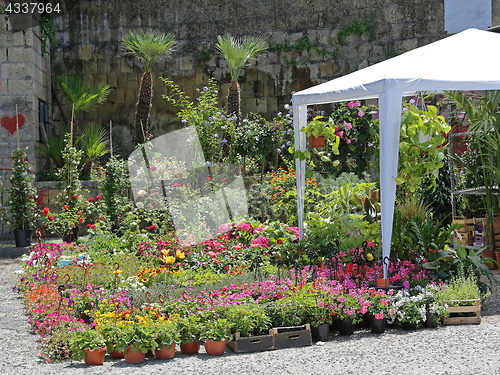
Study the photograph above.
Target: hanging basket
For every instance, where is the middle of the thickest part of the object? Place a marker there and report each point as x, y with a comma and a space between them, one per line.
316, 142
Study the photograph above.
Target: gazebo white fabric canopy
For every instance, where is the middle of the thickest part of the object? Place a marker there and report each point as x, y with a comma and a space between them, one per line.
465, 61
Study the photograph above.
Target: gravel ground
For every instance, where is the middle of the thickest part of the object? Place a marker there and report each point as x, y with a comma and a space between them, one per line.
463, 349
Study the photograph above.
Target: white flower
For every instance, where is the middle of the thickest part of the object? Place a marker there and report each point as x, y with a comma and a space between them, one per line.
141, 193
140, 205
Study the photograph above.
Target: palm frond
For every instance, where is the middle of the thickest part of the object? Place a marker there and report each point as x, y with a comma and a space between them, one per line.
83, 96
95, 141
239, 54
149, 47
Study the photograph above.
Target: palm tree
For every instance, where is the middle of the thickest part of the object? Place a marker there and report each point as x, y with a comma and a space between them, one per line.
94, 144
238, 54
148, 47
82, 97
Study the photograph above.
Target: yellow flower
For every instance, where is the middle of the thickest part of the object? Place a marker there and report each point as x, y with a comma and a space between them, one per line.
179, 254
164, 252
170, 260
116, 272
86, 312
144, 280
445, 247
369, 256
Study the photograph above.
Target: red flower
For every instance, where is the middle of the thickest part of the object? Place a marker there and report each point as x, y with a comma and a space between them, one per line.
91, 200
66, 207
223, 180
74, 197
92, 226
209, 177
101, 218
45, 211
280, 242
51, 217
153, 168
78, 213
98, 197
186, 185
216, 261
88, 226
152, 228
176, 184
81, 220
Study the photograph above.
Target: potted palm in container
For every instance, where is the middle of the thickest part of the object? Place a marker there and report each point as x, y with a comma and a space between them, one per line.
21, 201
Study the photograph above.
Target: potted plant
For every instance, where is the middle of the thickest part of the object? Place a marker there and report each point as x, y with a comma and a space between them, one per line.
346, 308
190, 331
216, 331
165, 336
317, 130
136, 339
408, 309
378, 308
90, 344
21, 201
435, 310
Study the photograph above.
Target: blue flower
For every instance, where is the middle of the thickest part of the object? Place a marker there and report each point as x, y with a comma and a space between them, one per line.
205, 88
184, 121
224, 141
216, 92
216, 135
287, 115
223, 127
279, 114
209, 164
288, 143
287, 106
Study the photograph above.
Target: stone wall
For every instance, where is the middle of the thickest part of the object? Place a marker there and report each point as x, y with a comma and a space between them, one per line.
24, 81
88, 41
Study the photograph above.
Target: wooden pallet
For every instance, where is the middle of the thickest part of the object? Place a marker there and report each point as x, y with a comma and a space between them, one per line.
456, 311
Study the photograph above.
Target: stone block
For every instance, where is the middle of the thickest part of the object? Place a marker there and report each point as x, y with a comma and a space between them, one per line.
86, 52
14, 70
185, 63
409, 44
326, 68
118, 95
261, 106
20, 86
90, 67
112, 79
20, 54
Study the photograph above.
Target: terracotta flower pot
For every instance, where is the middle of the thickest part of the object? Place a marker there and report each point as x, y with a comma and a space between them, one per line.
497, 254
135, 357
490, 254
382, 283
165, 353
215, 347
94, 357
190, 347
316, 142
116, 354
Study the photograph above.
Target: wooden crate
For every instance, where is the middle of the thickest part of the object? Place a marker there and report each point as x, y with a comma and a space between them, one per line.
251, 344
455, 311
292, 337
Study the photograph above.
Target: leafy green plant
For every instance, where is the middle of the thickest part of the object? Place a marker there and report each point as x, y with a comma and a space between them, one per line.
248, 319
461, 287
22, 193
88, 339
94, 145
420, 152
359, 27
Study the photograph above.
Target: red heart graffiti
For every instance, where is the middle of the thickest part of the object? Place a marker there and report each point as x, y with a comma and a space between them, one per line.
9, 123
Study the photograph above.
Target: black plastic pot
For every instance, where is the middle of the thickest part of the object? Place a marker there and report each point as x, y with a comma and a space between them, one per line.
321, 333
346, 327
22, 237
430, 322
377, 325
409, 326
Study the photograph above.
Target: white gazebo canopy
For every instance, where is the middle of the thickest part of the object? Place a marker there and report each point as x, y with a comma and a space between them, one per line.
465, 61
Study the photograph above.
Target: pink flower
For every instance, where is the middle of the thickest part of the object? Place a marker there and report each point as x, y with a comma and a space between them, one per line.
153, 168
339, 134
358, 103
350, 105
176, 184
361, 113
92, 226
348, 125
379, 316
98, 197
348, 141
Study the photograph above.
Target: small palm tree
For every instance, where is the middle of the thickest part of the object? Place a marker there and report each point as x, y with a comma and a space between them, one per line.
95, 144
82, 97
148, 47
238, 54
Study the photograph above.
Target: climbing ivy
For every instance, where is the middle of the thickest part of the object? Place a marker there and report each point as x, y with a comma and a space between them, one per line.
362, 26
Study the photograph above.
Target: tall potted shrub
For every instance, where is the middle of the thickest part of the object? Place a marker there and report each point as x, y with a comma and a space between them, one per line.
21, 201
